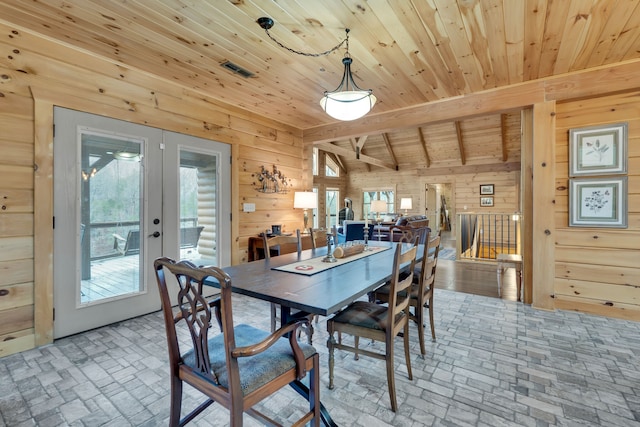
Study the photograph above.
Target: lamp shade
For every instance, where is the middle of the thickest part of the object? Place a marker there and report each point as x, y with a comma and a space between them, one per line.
406, 203
348, 101
378, 206
305, 200
348, 105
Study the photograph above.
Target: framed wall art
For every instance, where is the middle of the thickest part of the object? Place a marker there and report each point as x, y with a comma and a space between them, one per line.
598, 202
486, 201
486, 189
598, 150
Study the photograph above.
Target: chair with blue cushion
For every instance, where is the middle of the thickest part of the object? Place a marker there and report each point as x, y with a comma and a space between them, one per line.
238, 367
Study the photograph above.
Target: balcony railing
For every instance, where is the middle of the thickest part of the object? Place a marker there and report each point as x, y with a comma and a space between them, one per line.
482, 236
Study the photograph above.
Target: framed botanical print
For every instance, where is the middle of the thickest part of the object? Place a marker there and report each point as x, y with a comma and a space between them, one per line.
486, 189
598, 150
598, 202
486, 201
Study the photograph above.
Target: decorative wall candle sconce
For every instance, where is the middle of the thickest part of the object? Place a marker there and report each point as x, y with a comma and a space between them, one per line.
271, 181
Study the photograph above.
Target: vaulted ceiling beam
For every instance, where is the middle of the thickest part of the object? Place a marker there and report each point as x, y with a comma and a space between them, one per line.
423, 142
359, 142
460, 142
338, 162
348, 154
387, 142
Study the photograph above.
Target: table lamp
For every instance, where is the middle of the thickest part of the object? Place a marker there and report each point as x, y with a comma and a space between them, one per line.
305, 200
378, 206
406, 203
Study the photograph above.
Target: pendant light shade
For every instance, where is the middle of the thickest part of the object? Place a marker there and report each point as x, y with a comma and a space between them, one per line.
347, 101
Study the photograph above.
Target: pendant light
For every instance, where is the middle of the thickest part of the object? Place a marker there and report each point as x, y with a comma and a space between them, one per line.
347, 101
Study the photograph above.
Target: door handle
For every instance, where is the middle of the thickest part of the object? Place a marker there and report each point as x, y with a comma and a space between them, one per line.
155, 234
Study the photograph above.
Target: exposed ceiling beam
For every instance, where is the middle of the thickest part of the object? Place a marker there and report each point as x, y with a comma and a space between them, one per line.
387, 142
354, 144
503, 132
460, 141
338, 162
453, 170
326, 146
603, 79
423, 142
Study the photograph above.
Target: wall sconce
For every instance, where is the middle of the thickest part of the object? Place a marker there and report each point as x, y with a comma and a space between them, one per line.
305, 200
272, 181
406, 203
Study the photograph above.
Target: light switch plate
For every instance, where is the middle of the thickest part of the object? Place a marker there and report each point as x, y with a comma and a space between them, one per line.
248, 207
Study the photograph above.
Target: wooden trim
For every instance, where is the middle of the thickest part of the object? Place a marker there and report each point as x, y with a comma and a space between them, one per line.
543, 201
526, 202
43, 220
503, 133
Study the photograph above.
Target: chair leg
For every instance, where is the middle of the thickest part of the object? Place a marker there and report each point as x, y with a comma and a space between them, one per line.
314, 390
420, 321
407, 352
433, 328
176, 402
273, 317
391, 380
331, 342
356, 341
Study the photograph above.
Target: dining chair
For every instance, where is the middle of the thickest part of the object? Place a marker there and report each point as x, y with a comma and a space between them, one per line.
238, 367
421, 292
285, 245
378, 322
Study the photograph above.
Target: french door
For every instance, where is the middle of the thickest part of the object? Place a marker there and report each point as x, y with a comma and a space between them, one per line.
125, 194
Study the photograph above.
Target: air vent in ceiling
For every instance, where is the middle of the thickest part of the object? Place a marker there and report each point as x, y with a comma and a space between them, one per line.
237, 69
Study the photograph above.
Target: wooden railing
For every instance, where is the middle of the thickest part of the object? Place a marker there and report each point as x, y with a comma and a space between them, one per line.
482, 236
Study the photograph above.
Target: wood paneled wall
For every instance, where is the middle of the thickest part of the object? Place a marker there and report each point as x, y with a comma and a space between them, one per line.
72, 79
596, 269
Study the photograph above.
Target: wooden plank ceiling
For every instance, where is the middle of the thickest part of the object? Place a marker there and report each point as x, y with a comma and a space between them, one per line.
410, 52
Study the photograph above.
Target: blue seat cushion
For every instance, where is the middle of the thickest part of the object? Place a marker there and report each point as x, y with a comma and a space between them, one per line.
257, 370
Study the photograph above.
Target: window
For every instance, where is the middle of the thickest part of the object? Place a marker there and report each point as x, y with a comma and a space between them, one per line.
315, 161
331, 168
388, 195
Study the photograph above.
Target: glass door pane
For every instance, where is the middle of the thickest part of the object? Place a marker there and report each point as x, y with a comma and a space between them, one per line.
198, 201
111, 183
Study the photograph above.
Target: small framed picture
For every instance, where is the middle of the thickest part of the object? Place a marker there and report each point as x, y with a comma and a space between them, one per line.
598, 202
598, 150
486, 201
486, 189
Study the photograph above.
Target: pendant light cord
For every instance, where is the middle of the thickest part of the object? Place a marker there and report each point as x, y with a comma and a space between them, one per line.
267, 23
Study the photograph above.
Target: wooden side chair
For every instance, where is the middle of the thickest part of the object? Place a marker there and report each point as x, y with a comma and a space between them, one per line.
238, 367
421, 292
319, 237
378, 322
285, 245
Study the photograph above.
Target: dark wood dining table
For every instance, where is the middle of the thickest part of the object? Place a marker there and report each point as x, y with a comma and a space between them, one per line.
323, 293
